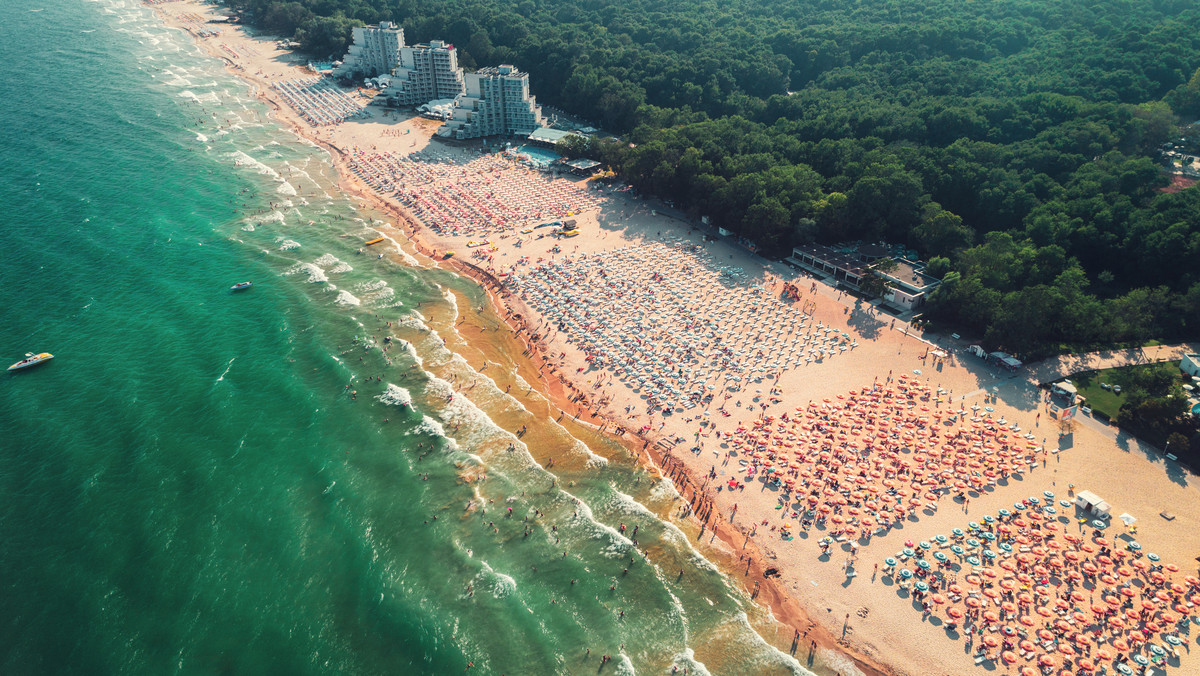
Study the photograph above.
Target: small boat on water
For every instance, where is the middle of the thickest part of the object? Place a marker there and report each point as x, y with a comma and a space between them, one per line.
240, 285
377, 240
31, 359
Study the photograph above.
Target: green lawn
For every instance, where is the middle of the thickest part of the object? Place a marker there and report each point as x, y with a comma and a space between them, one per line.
1099, 399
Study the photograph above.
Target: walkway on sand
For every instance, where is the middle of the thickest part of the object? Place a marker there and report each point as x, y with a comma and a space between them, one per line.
1054, 368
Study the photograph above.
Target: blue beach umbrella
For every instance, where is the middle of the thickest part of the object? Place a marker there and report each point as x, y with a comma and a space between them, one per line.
974, 525
905, 573
1005, 513
957, 549
1048, 494
989, 554
1004, 546
957, 532
1099, 524
890, 562
972, 543
973, 560
921, 585
941, 556
924, 544
1140, 659
1153, 557
989, 519
923, 564
908, 551
942, 539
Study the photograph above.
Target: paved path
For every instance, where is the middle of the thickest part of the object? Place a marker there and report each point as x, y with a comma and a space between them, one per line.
1061, 367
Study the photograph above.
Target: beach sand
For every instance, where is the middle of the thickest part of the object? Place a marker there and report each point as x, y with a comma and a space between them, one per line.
861, 624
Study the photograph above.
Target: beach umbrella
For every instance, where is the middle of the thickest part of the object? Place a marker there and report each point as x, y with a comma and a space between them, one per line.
972, 602
955, 612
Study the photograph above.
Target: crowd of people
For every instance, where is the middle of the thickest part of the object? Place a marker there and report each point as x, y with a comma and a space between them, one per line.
1054, 599
668, 320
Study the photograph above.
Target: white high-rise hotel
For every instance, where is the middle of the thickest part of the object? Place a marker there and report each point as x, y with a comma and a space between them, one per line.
376, 51
426, 72
497, 101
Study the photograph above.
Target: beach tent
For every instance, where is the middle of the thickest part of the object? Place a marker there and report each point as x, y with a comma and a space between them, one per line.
1128, 518
1090, 502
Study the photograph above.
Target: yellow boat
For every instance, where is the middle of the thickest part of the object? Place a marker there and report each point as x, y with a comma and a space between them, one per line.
377, 240
569, 233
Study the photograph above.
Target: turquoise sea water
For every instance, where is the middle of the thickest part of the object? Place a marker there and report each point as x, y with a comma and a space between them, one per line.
208, 482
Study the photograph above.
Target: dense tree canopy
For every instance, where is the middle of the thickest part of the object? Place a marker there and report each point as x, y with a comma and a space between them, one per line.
1012, 139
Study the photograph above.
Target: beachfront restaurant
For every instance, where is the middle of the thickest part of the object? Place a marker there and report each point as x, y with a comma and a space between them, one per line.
910, 285
845, 266
583, 166
546, 137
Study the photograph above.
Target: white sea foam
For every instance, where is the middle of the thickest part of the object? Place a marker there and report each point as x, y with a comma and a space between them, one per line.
499, 584
346, 298
412, 320
369, 287
241, 159
619, 544
432, 427
412, 352
452, 300
630, 504
288, 245
686, 661
333, 264
623, 666
664, 490
315, 274
395, 395
286, 188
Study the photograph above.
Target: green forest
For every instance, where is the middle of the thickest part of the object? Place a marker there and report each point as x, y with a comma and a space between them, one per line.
1013, 143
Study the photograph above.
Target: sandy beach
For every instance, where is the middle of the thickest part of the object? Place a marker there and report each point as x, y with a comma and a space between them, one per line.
683, 347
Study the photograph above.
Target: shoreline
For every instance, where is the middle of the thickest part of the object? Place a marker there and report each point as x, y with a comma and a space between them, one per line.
765, 591
891, 638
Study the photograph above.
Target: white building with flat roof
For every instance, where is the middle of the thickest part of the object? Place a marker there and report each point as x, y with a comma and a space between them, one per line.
376, 51
426, 73
497, 101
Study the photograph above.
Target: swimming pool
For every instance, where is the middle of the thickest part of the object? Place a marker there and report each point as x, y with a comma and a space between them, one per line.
539, 157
